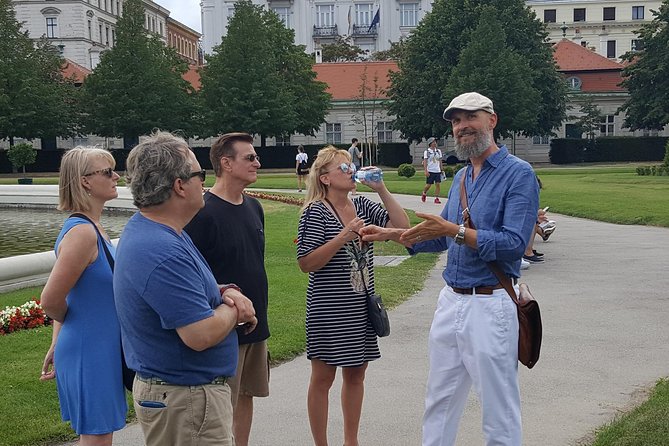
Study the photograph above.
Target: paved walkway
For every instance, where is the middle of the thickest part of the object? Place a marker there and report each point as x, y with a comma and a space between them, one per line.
603, 297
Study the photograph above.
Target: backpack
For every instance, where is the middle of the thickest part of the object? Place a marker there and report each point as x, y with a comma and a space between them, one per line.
303, 163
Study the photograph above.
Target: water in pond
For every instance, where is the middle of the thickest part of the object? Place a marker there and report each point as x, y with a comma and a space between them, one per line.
30, 230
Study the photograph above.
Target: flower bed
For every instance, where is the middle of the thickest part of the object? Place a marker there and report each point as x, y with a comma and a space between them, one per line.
276, 197
28, 315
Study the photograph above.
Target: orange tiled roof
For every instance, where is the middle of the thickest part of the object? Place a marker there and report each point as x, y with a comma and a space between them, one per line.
70, 69
571, 56
344, 78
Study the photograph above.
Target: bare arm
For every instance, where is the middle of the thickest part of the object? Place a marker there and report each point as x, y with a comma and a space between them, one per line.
211, 331
77, 250
48, 366
320, 256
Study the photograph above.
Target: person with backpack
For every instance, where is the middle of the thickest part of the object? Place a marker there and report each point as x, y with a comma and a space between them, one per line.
432, 165
301, 167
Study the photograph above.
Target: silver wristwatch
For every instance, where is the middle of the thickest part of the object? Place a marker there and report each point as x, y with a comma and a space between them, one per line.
460, 236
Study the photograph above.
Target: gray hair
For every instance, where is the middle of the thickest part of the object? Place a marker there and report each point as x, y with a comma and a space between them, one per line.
153, 165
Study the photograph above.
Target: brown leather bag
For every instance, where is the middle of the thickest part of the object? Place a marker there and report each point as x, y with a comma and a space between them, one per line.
530, 329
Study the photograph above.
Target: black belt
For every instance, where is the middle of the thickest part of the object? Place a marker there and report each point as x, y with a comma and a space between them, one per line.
220, 380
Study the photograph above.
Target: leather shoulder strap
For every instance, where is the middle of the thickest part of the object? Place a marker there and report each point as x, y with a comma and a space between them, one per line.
494, 266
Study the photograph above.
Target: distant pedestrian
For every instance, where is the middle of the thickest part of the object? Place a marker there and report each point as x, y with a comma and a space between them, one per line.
301, 167
432, 165
85, 351
356, 154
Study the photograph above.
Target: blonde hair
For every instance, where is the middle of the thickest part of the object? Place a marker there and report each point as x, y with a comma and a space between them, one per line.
316, 190
77, 162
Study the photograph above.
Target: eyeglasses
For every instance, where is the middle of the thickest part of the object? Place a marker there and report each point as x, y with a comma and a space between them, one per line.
108, 172
346, 168
202, 174
251, 157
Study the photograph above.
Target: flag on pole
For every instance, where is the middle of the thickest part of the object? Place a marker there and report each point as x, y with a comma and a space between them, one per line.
349, 20
375, 20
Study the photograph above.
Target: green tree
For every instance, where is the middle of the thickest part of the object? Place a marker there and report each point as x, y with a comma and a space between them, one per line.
342, 50
138, 84
433, 50
590, 119
517, 101
258, 81
35, 100
392, 53
647, 75
22, 155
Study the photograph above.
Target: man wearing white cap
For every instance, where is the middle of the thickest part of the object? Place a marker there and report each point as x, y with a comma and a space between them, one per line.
432, 165
474, 333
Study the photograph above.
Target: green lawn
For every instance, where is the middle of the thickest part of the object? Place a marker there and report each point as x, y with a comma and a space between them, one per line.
29, 407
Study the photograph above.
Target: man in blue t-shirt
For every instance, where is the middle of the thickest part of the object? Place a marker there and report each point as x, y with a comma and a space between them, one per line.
177, 324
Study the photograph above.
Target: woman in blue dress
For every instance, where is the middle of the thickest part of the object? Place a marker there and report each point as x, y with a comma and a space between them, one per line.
85, 352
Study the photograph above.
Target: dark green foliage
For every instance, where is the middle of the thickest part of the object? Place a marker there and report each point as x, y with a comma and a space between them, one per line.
618, 148
666, 154
392, 154
342, 50
138, 85
406, 170
21, 155
434, 50
259, 81
35, 100
516, 100
590, 119
393, 53
647, 76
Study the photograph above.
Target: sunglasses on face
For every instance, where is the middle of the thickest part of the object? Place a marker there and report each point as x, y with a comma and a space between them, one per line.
346, 168
108, 172
202, 174
251, 157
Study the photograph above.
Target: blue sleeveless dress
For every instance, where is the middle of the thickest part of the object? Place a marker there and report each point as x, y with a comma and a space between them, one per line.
87, 356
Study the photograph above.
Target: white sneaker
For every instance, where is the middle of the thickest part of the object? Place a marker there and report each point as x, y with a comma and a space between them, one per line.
524, 264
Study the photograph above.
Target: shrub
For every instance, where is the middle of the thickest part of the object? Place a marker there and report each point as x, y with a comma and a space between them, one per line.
448, 172
666, 154
21, 155
406, 170
640, 171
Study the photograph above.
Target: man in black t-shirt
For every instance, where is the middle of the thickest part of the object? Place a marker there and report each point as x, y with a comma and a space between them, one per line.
229, 232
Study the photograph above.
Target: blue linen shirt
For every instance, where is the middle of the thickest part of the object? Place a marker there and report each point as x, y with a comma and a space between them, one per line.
503, 203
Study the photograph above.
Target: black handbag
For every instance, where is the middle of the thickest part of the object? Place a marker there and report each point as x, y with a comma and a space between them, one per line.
376, 311
128, 374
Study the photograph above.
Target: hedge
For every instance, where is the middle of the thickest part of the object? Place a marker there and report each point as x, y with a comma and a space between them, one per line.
612, 148
275, 157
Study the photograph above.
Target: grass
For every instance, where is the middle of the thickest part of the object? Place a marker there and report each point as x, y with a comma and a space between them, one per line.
29, 407
647, 425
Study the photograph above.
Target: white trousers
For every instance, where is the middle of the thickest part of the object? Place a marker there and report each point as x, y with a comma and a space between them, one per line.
473, 339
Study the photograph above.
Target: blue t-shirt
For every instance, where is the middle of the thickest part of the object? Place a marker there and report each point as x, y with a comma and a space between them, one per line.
161, 283
503, 201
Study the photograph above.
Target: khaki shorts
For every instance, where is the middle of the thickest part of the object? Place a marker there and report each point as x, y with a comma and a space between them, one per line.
252, 378
183, 415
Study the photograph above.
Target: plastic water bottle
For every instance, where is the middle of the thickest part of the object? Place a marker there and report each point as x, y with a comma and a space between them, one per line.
370, 175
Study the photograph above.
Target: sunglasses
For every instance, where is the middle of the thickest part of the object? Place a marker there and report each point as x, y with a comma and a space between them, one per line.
346, 168
202, 174
251, 157
108, 172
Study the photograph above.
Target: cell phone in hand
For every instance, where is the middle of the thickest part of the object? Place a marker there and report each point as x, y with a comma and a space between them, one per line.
546, 208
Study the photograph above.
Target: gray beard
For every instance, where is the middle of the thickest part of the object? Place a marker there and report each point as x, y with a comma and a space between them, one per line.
475, 149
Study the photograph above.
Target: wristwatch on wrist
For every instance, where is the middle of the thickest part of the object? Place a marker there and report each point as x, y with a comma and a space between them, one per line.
227, 286
460, 236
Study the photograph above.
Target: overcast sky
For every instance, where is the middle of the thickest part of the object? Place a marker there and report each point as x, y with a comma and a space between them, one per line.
185, 11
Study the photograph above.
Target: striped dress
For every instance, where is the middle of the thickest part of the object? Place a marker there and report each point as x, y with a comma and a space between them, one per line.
338, 330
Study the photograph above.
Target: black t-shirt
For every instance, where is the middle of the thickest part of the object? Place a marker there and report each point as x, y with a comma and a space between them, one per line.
231, 238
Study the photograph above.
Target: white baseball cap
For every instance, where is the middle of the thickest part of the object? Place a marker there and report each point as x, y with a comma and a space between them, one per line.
430, 140
470, 102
